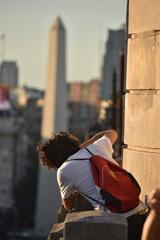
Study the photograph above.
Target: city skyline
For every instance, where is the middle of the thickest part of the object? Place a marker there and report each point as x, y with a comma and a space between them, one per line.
26, 28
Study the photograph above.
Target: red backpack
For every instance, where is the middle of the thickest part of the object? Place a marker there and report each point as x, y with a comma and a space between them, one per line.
119, 188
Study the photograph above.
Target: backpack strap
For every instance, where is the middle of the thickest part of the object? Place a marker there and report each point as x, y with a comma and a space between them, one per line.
89, 151
74, 159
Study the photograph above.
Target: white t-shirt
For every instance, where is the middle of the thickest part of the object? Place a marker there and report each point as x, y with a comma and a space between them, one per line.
77, 176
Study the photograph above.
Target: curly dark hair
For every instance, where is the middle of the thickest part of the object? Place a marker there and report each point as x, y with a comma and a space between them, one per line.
57, 149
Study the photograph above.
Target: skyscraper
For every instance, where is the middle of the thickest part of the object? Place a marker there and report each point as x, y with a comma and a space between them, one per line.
54, 119
9, 73
112, 62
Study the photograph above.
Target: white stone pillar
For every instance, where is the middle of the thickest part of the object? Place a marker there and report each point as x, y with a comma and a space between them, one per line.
54, 120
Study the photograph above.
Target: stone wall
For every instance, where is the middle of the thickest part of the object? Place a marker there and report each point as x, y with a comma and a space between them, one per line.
84, 223
90, 225
142, 100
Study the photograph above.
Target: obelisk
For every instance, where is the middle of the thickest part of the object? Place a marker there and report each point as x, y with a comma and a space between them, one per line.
54, 120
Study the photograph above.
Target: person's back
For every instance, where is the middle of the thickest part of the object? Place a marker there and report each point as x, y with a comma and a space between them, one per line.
75, 174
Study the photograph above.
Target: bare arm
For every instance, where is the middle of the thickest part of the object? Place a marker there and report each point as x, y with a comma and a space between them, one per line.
111, 134
69, 202
151, 229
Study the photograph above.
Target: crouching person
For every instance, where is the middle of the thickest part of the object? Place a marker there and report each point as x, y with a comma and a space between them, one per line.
64, 153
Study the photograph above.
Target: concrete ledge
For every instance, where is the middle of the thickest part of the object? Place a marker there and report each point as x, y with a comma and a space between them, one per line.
56, 232
57, 229
95, 225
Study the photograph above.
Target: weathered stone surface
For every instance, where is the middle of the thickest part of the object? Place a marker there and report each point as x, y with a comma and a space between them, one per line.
135, 224
142, 118
143, 15
141, 63
95, 225
57, 229
145, 166
74, 216
142, 112
157, 61
56, 232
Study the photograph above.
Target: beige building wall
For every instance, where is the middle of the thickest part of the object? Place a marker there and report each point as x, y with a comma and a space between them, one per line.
142, 101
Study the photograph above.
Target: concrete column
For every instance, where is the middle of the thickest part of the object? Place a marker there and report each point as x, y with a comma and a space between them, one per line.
142, 101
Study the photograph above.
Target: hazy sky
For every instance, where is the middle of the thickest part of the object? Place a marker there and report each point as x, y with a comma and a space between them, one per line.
26, 24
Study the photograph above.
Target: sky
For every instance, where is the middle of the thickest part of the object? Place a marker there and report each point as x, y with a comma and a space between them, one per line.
26, 25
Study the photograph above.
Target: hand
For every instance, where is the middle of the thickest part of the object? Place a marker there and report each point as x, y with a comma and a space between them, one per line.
153, 200
151, 228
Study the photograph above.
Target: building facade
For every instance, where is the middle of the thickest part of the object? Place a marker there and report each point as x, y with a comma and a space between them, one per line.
112, 63
9, 73
84, 103
20, 133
